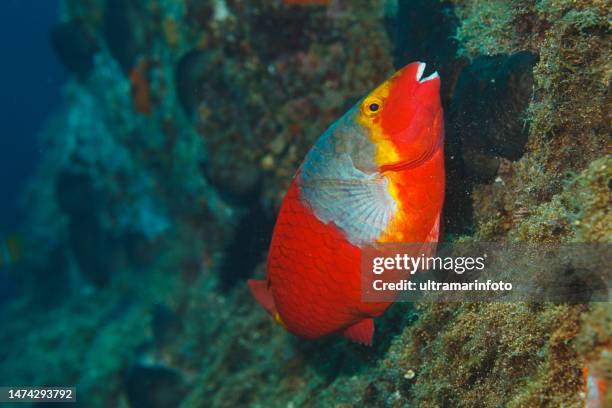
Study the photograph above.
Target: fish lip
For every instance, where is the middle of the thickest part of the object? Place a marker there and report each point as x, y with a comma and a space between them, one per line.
430, 77
419, 74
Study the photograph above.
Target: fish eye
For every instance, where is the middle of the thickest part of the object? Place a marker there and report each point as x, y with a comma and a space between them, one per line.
372, 106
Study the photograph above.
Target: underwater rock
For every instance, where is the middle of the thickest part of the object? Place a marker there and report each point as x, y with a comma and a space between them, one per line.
124, 31
89, 249
139, 250
247, 248
281, 30
74, 47
481, 166
198, 12
197, 74
140, 87
424, 31
238, 182
149, 386
488, 110
76, 197
166, 325
379, 393
75, 194
202, 83
577, 285
52, 278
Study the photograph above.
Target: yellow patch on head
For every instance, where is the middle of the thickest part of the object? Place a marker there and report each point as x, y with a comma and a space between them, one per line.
369, 117
386, 153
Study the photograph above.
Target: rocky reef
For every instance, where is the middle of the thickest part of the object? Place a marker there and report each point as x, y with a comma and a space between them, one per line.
181, 130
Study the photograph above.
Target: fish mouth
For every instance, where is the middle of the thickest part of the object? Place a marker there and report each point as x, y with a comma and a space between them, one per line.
421, 70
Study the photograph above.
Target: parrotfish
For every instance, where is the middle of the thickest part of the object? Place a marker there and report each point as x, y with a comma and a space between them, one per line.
374, 176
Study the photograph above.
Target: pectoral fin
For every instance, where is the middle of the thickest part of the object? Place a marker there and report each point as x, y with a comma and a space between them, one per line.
360, 206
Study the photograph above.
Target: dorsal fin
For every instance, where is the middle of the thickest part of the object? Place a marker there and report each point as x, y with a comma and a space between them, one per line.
361, 332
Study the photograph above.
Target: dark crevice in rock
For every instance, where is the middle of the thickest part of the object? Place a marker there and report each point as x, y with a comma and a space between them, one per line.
74, 46
484, 101
247, 248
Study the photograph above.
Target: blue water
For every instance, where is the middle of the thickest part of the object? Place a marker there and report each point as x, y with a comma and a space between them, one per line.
30, 89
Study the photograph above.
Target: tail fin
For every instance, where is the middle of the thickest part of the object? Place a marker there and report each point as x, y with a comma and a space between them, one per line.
262, 294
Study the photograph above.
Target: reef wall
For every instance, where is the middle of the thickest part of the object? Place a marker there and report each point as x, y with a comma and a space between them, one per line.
183, 124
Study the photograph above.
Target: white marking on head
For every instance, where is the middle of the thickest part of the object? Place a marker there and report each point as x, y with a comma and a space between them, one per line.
420, 70
429, 78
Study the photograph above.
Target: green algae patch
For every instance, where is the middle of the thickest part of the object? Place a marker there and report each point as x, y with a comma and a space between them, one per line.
569, 124
487, 355
486, 27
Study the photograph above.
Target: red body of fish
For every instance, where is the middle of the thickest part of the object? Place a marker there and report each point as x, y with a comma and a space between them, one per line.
375, 176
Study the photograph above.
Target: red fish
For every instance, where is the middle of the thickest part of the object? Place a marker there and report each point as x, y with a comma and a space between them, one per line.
375, 176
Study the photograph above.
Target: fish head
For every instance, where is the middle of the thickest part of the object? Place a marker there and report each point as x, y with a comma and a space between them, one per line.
403, 118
